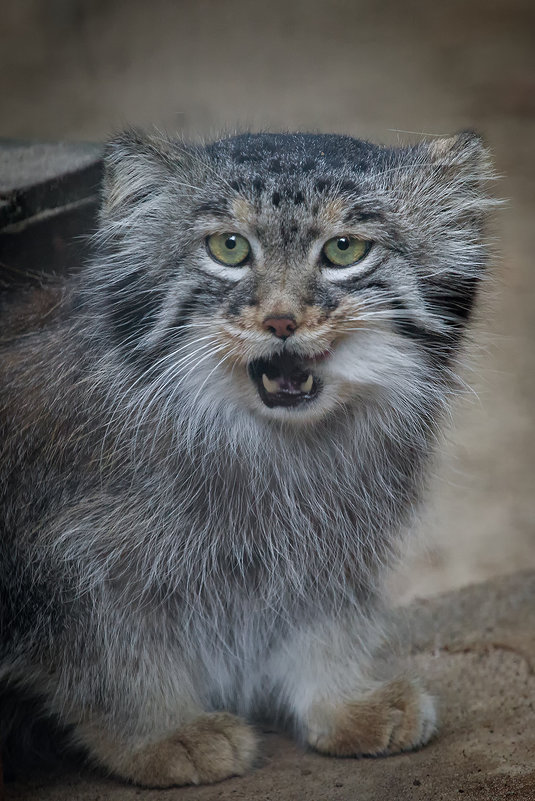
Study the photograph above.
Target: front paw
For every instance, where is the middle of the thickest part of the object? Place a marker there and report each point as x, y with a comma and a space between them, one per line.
209, 749
398, 716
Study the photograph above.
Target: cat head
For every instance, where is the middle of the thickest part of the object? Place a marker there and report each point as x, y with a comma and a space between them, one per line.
289, 275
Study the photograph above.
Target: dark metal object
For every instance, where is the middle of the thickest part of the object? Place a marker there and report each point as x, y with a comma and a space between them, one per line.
49, 197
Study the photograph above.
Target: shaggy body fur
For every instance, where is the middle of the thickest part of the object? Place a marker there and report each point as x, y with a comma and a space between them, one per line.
173, 551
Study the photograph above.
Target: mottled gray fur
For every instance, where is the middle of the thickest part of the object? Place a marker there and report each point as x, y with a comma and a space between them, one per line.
172, 547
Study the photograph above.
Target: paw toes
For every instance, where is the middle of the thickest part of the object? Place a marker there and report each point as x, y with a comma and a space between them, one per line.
396, 717
219, 746
417, 721
209, 749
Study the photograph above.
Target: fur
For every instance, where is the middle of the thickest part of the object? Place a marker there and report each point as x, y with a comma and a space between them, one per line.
173, 551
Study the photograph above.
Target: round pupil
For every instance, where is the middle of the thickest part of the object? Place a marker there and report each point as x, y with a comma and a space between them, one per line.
343, 243
230, 243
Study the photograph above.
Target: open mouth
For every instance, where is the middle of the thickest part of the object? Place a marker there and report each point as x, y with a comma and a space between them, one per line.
283, 380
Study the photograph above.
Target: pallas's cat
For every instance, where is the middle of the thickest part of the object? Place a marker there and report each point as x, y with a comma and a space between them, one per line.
209, 458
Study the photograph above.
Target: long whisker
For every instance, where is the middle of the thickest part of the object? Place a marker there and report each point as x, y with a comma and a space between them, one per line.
135, 403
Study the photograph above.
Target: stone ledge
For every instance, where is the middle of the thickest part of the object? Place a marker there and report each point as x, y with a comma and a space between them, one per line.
475, 650
49, 197
36, 177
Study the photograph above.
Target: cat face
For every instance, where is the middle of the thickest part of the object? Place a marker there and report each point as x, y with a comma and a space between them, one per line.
289, 275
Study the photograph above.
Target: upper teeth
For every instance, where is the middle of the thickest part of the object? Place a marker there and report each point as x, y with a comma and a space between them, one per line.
269, 386
306, 386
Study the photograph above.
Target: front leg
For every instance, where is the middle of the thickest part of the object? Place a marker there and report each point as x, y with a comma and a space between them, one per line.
134, 698
208, 748
325, 676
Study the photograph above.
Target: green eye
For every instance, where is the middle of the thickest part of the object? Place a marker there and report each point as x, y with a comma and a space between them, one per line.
231, 249
342, 251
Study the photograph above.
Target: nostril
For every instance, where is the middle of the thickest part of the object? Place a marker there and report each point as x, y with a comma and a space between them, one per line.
281, 327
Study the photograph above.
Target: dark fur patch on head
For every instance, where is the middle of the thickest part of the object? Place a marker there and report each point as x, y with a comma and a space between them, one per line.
189, 305
322, 184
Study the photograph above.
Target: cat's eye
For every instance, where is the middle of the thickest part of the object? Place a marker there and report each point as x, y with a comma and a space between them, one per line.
343, 251
229, 249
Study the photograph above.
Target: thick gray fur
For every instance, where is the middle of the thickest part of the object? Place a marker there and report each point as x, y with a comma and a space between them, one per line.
169, 545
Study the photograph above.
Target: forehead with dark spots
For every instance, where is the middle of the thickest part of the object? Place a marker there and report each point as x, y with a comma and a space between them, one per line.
307, 180
293, 170
291, 154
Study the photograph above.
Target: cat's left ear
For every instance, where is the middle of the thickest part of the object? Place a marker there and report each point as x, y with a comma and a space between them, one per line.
464, 153
135, 165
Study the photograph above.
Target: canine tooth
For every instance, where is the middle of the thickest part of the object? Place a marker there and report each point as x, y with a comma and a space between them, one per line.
269, 386
306, 386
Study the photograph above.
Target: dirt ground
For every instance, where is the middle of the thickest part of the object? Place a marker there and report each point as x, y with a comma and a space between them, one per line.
385, 70
476, 649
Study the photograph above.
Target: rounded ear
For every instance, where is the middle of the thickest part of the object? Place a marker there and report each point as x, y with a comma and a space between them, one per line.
465, 152
134, 166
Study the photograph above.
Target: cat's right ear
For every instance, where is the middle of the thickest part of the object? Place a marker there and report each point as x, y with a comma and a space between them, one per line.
135, 166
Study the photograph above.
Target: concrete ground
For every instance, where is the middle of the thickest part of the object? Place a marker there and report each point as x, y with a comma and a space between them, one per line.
389, 71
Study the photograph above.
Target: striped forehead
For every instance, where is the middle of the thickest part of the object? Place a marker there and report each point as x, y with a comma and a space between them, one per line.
288, 216
295, 205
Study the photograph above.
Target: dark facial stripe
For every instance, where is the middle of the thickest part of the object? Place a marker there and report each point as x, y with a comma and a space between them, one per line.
453, 303
218, 207
405, 325
358, 214
318, 293
440, 346
134, 316
243, 294
198, 298
131, 308
185, 311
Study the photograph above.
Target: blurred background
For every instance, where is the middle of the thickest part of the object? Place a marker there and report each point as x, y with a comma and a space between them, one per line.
387, 70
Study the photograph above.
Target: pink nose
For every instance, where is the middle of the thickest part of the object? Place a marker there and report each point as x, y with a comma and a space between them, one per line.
283, 327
